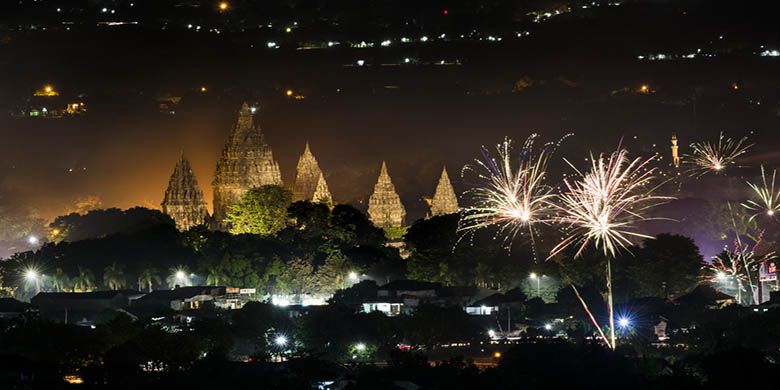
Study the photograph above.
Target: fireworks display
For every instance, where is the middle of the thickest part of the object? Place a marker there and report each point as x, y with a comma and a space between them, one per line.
732, 269
510, 194
768, 199
711, 157
602, 205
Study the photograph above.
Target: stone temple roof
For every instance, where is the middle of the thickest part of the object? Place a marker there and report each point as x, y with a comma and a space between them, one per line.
444, 200
306, 177
183, 200
384, 206
246, 162
321, 192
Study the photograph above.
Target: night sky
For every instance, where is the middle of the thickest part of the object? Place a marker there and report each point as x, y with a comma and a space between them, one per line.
417, 118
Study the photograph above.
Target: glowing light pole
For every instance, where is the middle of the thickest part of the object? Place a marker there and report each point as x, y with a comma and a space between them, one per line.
538, 279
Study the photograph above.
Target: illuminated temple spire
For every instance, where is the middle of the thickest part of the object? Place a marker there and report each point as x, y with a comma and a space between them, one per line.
321, 192
183, 200
307, 175
384, 206
444, 200
246, 162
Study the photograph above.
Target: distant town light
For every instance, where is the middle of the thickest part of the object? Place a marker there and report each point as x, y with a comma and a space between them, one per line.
533, 275
406, 60
492, 333
223, 6
289, 92
424, 38
203, 89
271, 45
288, 30
280, 340
548, 326
361, 62
385, 43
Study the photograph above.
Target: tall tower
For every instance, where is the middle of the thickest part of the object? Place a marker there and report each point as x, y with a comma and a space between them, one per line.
675, 151
444, 200
321, 192
384, 206
306, 176
246, 162
183, 198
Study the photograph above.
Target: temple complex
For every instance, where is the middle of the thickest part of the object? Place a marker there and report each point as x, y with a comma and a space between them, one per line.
444, 200
384, 206
183, 199
307, 177
246, 162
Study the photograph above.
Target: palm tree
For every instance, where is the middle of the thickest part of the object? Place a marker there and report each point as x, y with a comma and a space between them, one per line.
148, 277
215, 276
84, 281
60, 280
114, 276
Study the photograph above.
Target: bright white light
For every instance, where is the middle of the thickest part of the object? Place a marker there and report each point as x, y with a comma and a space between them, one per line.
424, 38
548, 326
253, 109
280, 340
406, 60
361, 62
492, 333
31, 275
385, 43
624, 322
271, 45
720, 276
32, 240
353, 276
104, 10
360, 347
180, 275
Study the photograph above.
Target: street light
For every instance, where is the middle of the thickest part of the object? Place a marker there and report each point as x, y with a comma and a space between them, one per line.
360, 347
353, 276
624, 322
280, 340
32, 276
32, 240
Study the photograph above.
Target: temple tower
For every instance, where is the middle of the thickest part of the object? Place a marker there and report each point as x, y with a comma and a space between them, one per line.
444, 200
321, 192
384, 206
307, 176
183, 198
675, 151
246, 162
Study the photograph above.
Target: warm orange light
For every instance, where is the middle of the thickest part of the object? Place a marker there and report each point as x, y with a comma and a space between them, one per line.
223, 6
289, 92
644, 88
203, 89
735, 86
73, 379
497, 355
47, 90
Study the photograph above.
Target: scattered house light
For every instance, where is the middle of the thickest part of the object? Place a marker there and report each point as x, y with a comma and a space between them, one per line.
361, 62
424, 38
385, 43
406, 60
770, 53
271, 45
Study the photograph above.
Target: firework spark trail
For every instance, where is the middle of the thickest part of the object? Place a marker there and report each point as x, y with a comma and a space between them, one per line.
736, 265
510, 194
768, 197
602, 205
710, 157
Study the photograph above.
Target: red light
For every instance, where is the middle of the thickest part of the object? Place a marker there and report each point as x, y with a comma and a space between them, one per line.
445, 12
